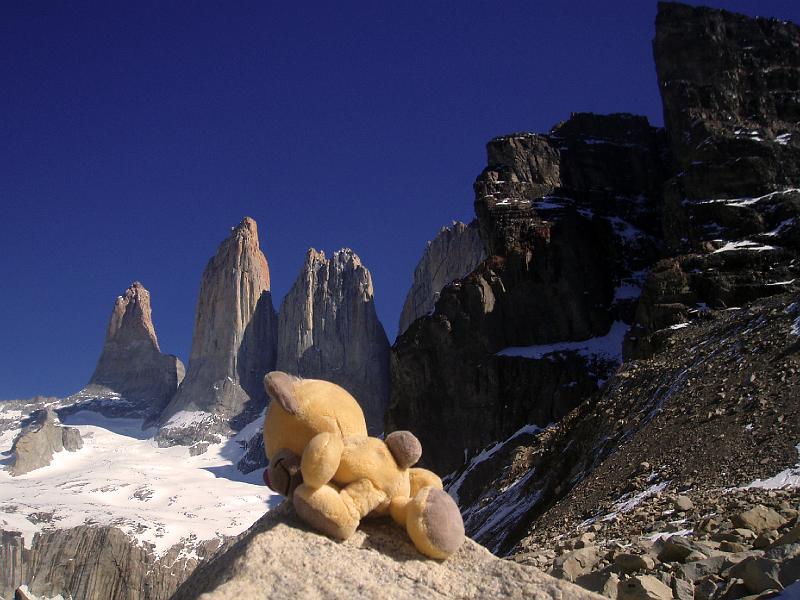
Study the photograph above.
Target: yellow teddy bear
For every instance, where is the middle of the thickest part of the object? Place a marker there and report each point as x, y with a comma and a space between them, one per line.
320, 455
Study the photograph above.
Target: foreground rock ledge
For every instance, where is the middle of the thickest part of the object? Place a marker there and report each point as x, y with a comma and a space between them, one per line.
280, 558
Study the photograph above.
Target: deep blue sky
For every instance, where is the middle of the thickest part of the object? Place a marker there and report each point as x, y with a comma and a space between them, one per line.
134, 135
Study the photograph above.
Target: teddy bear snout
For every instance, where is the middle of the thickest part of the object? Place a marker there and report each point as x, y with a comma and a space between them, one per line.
283, 473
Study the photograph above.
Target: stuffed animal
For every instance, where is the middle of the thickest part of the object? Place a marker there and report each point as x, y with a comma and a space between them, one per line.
321, 457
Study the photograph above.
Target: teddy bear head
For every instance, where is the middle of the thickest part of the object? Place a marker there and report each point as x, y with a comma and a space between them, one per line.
302, 408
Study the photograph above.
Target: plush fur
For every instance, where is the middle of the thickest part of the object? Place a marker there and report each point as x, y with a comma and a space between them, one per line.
344, 475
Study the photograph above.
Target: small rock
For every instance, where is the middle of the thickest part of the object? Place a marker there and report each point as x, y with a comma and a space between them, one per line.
727, 546
765, 539
682, 589
601, 582
198, 448
790, 537
584, 540
683, 503
758, 574
643, 587
695, 555
697, 570
572, 565
629, 563
758, 519
677, 549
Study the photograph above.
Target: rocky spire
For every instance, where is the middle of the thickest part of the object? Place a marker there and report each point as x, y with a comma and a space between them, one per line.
233, 344
451, 255
131, 364
328, 329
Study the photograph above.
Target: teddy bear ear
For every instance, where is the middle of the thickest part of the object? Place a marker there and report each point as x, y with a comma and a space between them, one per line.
280, 387
405, 448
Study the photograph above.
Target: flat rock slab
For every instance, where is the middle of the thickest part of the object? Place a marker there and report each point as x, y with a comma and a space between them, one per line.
280, 558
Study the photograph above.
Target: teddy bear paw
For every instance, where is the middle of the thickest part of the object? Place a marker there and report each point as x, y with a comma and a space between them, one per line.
434, 523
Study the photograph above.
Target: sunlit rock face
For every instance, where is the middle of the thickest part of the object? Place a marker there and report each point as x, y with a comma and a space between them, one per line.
133, 378
452, 254
233, 345
328, 329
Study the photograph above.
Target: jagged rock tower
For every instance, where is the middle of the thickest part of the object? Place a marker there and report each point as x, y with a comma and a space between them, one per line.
132, 377
233, 345
452, 254
328, 329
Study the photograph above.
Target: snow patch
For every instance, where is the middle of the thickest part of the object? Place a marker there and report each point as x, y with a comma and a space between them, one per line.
608, 346
187, 418
663, 535
745, 201
788, 478
483, 456
158, 496
744, 245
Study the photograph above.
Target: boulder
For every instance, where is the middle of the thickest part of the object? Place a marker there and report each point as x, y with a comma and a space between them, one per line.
758, 574
630, 563
571, 565
758, 519
38, 441
643, 587
604, 583
678, 549
279, 558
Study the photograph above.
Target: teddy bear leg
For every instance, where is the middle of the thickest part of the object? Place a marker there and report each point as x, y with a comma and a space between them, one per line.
363, 497
321, 459
399, 509
337, 513
420, 478
323, 509
434, 523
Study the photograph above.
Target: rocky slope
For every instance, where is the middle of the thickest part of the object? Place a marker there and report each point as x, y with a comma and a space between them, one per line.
132, 377
706, 397
328, 329
233, 345
453, 253
280, 558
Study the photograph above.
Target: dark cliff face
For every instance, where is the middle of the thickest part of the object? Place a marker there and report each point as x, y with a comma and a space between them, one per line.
731, 92
683, 234
712, 354
568, 220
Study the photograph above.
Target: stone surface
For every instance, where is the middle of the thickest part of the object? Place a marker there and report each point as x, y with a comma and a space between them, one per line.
93, 563
279, 558
572, 565
39, 440
451, 255
132, 378
601, 582
630, 563
328, 329
758, 519
643, 587
233, 345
